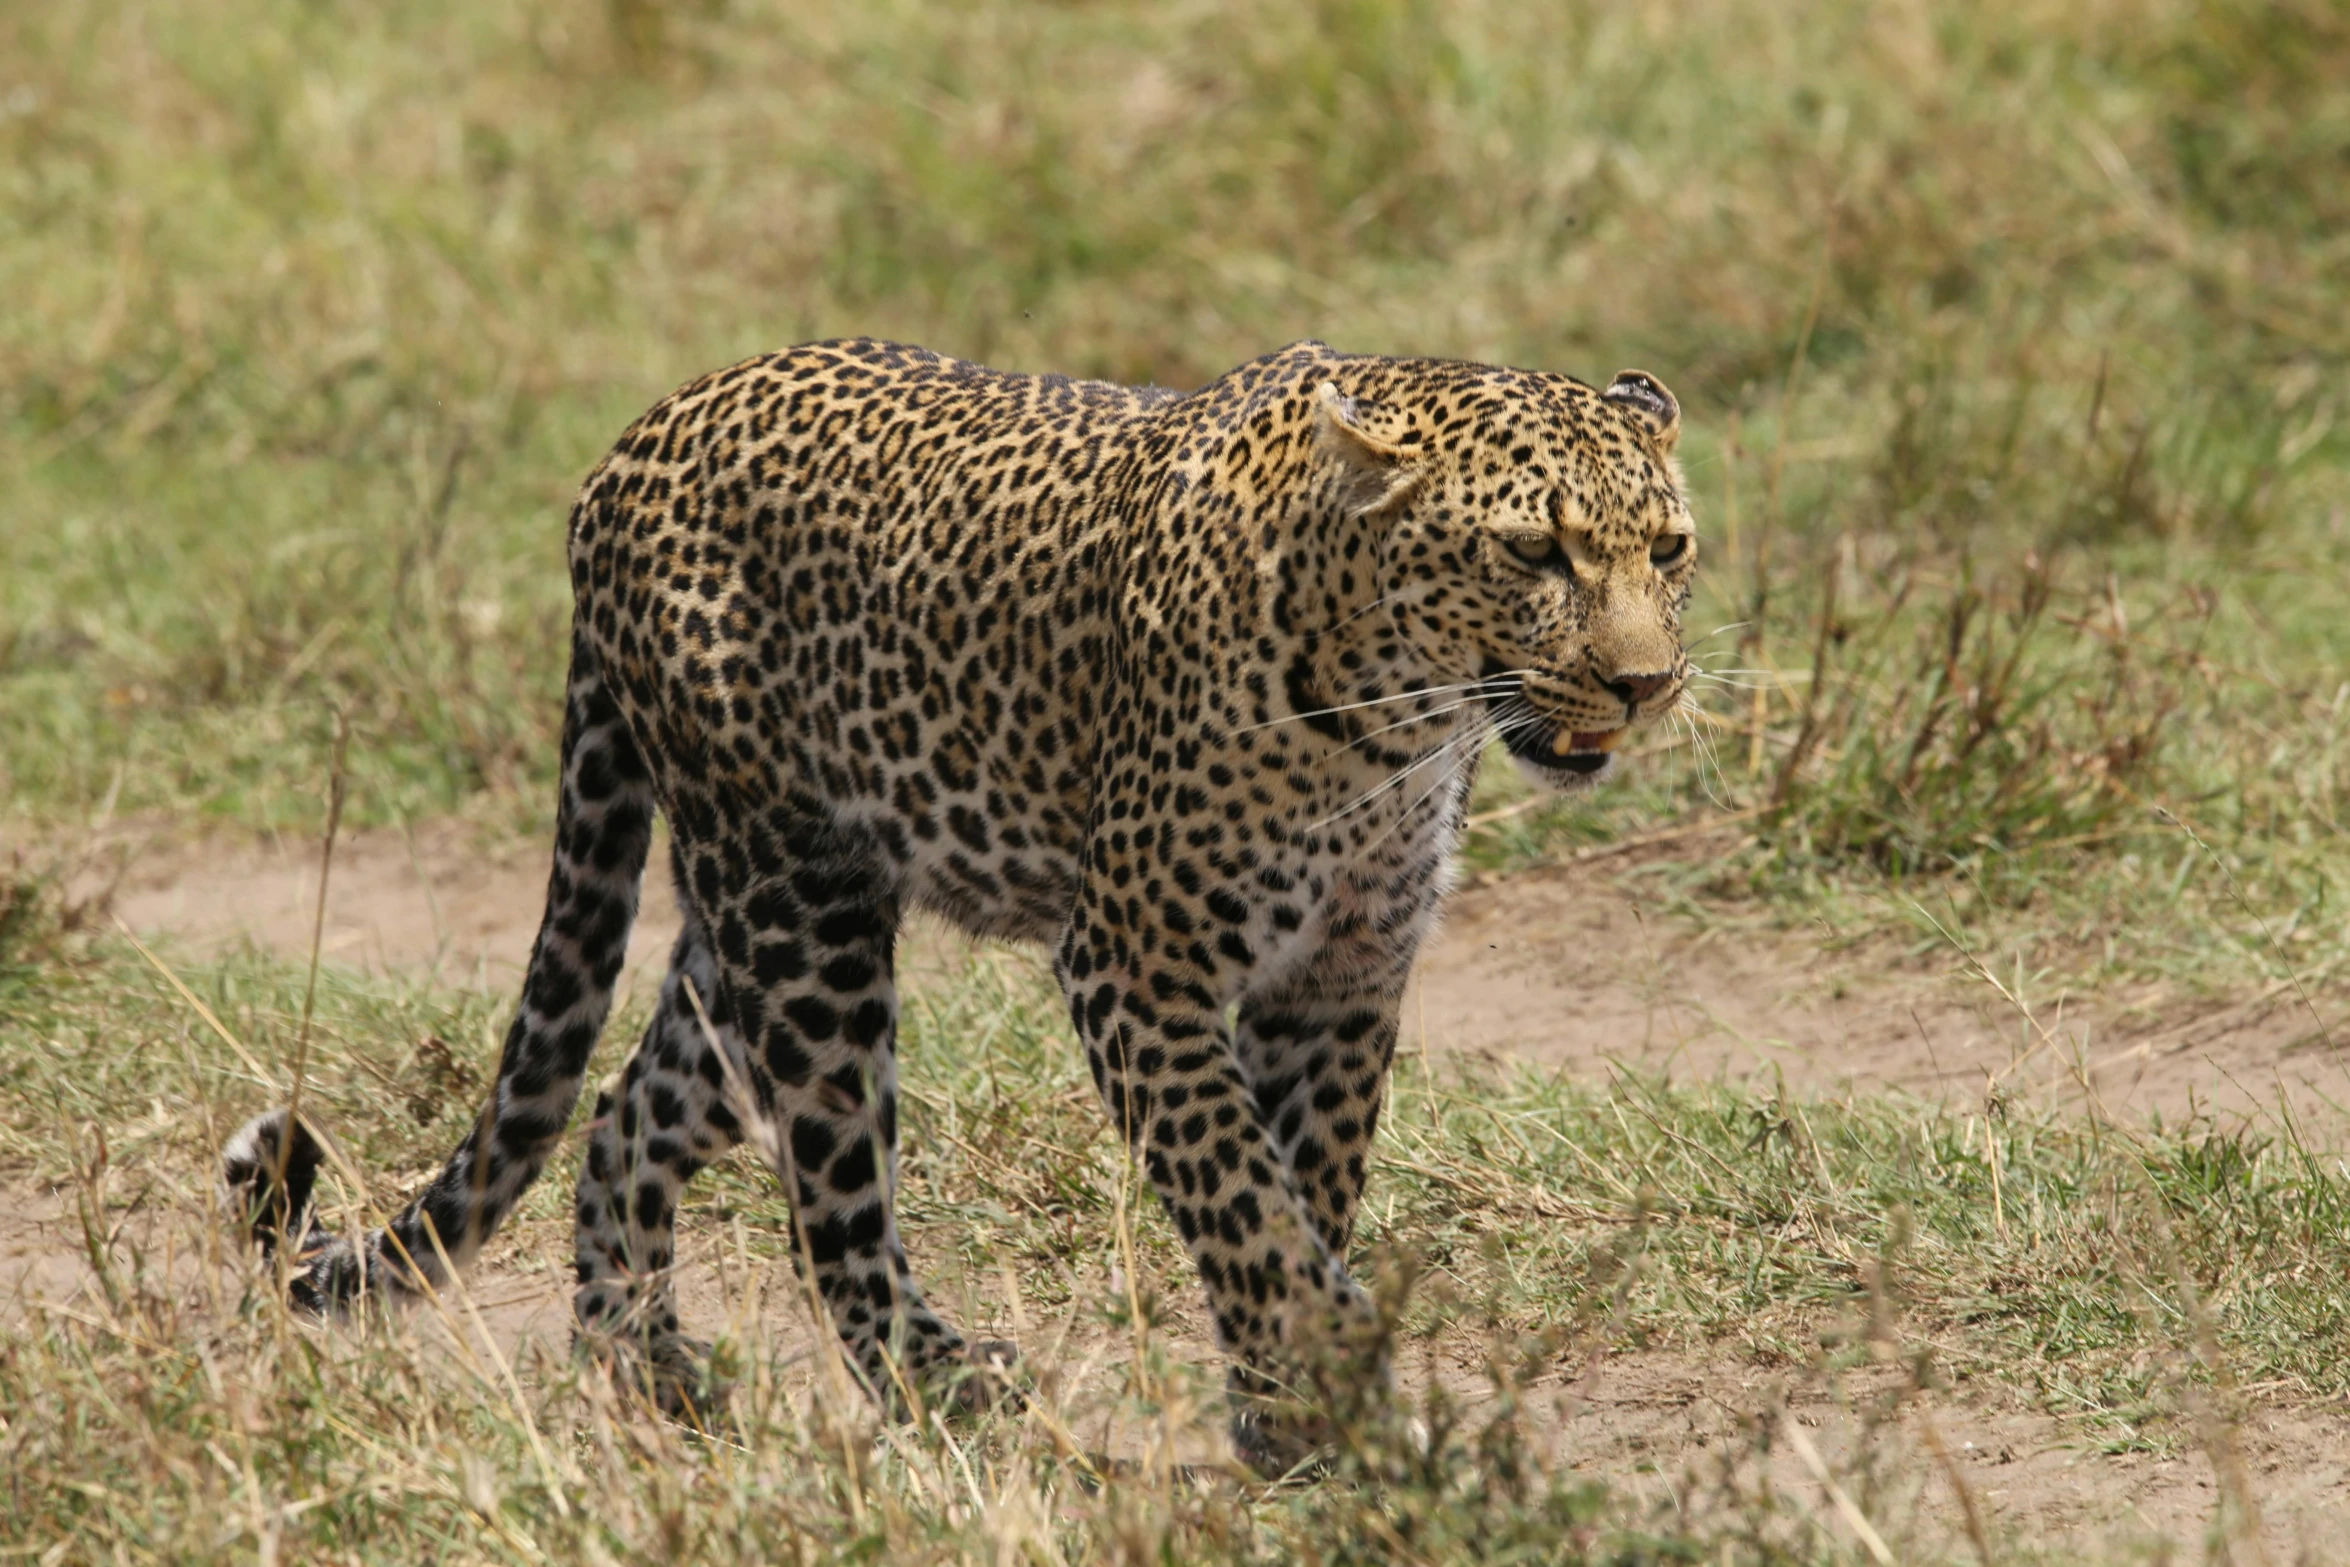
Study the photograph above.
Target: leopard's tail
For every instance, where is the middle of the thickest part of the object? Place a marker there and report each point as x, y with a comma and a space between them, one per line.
603, 834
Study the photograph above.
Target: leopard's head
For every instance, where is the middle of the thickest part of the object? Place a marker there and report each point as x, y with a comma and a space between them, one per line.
1534, 543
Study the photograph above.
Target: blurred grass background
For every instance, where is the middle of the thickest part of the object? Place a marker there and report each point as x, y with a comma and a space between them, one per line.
2013, 338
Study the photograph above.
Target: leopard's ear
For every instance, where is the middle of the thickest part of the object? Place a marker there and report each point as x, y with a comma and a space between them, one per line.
1644, 397
1375, 469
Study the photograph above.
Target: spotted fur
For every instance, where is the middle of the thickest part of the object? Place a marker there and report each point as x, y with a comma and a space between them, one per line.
1191, 688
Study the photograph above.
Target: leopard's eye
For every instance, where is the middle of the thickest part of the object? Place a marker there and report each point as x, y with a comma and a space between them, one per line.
1666, 549
1535, 549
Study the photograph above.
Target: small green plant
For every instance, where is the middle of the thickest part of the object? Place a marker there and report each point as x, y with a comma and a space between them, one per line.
1982, 724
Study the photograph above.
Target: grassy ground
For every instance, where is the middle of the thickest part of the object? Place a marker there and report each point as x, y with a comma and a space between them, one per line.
1879, 1252
2013, 340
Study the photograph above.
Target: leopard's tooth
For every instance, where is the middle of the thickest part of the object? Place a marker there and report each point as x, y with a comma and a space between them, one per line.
1570, 741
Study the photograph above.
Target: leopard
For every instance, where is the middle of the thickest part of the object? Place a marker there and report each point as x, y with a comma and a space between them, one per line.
1190, 689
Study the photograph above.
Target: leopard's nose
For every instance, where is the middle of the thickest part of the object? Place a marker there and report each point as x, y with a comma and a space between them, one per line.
1632, 690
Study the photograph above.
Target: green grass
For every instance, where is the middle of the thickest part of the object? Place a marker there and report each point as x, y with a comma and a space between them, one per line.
1881, 1249
2012, 339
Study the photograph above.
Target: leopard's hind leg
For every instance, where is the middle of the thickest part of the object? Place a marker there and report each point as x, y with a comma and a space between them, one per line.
677, 1106
804, 930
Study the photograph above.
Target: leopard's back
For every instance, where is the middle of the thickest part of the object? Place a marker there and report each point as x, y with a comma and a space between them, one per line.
884, 577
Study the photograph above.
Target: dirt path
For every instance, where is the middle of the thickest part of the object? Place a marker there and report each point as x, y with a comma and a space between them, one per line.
1565, 966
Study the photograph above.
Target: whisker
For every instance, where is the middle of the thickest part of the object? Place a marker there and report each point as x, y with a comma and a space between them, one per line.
1514, 709
1451, 775
1376, 790
1481, 686
1470, 747
1694, 716
1376, 701
1523, 721
1416, 718
1700, 749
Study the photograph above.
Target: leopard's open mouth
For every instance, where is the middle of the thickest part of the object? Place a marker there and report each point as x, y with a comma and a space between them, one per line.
1581, 753
1550, 749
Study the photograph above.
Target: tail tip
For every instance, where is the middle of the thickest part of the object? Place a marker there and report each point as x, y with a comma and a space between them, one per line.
265, 1183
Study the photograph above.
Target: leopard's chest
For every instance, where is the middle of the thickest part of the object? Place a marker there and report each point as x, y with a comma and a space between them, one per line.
1378, 884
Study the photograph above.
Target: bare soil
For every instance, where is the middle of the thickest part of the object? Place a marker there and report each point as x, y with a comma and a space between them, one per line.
1566, 966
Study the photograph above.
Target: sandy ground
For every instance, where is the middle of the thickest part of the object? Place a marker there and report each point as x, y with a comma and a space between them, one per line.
1565, 966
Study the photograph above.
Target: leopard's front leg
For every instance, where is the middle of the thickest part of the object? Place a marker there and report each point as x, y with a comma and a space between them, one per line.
1316, 1051
1147, 1001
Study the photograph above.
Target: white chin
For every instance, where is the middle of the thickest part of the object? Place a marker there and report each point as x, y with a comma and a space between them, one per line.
1562, 779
